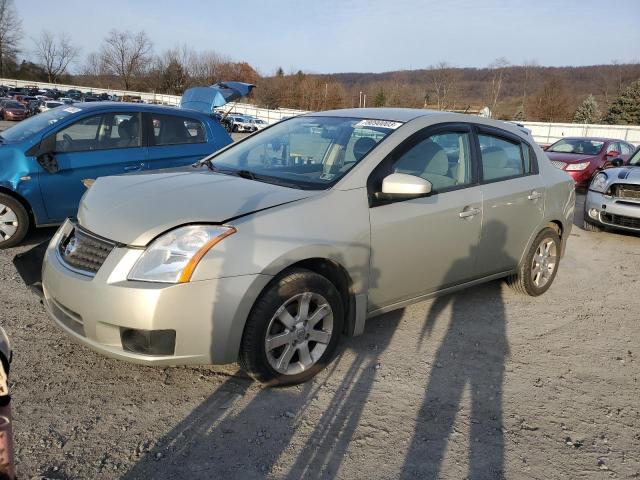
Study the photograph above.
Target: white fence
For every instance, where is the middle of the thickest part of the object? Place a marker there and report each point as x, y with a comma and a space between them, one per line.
269, 116
543, 133
547, 133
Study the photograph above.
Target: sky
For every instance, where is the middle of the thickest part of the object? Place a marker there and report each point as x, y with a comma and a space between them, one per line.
330, 36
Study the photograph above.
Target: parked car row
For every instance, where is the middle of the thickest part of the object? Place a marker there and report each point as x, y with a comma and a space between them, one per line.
241, 123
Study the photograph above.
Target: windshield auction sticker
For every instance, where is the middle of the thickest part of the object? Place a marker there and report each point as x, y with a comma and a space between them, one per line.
378, 124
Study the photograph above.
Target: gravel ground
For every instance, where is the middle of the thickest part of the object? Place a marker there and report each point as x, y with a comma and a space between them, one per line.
485, 384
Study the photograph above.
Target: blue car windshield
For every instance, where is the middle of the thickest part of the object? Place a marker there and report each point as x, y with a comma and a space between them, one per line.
33, 125
304, 152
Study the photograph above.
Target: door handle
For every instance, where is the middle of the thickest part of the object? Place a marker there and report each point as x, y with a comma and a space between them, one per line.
472, 212
133, 168
534, 195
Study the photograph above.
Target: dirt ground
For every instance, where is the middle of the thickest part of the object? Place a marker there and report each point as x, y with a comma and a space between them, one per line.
482, 384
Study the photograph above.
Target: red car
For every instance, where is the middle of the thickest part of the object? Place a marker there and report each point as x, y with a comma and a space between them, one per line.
582, 157
12, 110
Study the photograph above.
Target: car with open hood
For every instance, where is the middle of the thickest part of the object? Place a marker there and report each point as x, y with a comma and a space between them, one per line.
583, 157
613, 199
269, 250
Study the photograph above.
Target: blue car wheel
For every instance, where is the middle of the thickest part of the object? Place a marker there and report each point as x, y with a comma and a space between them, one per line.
14, 221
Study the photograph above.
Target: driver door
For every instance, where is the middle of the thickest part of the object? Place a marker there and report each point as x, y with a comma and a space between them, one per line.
94, 146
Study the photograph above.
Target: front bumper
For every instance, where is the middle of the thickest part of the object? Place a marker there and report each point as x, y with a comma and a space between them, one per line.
612, 212
207, 316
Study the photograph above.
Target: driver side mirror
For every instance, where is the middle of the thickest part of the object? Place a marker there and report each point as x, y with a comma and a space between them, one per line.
46, 154
617, 162
613, 153
401, 186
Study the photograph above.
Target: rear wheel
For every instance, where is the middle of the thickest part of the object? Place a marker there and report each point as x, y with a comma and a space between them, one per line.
540, 265
293, 329
14, 221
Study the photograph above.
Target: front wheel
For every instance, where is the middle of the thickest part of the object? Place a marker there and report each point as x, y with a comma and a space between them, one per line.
14, 221
293, 329
540, 265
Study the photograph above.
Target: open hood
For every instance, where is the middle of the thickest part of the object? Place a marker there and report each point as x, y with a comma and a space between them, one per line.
206, 99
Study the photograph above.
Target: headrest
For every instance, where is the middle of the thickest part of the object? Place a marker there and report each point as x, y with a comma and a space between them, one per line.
437, 160
494, 157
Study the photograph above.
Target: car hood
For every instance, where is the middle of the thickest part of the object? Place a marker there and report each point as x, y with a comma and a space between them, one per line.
569, 157
624, 175
134, 209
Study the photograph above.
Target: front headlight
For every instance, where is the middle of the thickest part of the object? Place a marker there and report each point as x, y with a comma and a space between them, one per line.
577, 166
173, 257
599, 182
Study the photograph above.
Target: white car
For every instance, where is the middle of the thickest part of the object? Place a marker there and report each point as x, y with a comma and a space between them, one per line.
48, 105
259, 123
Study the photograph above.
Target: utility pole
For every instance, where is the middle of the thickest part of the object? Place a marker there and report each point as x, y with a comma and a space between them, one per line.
364, 103
360, 101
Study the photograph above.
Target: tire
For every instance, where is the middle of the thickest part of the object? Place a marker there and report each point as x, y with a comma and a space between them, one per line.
591, 227
531, 281
14, 221
234, 128
297, 363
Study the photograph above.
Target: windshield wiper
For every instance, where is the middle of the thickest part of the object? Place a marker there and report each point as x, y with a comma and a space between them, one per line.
227, 171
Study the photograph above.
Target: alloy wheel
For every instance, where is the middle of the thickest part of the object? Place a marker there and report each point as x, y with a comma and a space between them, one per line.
544, 262
299, 333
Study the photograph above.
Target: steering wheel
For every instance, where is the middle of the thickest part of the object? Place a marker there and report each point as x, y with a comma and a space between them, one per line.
68, 141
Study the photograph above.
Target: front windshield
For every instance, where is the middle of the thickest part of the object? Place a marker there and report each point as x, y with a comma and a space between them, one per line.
13, 105
577, 145
305, 152
635, 160
32, 125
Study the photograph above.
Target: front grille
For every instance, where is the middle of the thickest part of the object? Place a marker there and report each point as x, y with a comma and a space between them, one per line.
558, 164
621, 220
84, 252
626, 190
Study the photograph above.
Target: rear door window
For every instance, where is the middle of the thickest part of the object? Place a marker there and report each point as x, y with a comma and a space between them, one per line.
177, 130
501, 158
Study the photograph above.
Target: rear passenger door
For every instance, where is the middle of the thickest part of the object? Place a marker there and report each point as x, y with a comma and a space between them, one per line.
513, 199
175, 140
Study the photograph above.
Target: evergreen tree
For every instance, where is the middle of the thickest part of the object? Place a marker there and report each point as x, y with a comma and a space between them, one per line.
380, 99
587, 112
625, 110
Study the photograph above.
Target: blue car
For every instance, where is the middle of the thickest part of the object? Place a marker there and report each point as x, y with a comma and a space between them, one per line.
44, 160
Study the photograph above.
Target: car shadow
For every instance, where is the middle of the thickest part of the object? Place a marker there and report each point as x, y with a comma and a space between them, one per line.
211, 442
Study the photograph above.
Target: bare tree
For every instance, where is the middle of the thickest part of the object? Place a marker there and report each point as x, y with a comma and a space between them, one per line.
529, 68
444, 81
498, 73
55, 53
10, 33
126, 54
552, 102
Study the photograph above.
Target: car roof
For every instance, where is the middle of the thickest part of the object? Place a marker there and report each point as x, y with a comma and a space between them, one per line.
141, 107
596, 139
393, 114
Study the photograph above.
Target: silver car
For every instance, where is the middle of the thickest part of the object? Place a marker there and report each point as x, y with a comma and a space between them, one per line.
613, 199
268, 251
